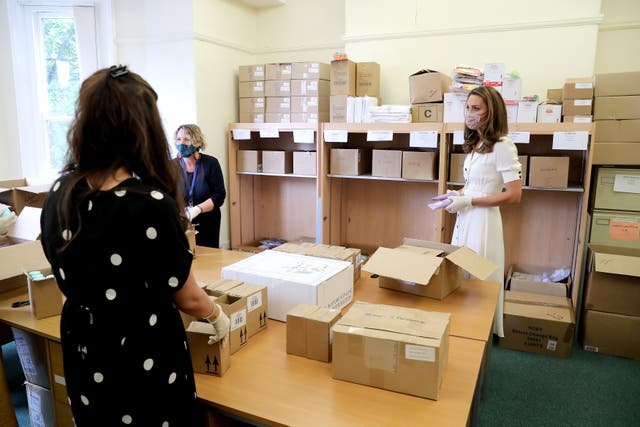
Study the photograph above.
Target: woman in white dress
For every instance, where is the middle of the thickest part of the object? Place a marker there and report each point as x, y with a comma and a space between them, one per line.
492, 175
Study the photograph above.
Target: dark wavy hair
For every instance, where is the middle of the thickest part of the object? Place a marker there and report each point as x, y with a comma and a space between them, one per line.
116, 125
494, 126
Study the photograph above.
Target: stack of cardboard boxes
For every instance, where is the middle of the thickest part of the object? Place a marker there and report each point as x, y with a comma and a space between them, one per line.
349, 79
577, 99
426, 94
251, 102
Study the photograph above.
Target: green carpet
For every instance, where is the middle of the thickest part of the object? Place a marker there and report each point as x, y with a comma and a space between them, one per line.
587, 389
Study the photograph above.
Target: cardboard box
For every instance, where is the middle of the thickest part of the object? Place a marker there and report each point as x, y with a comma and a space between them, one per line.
554, 95
326, 251
524, 160
577, 107
310, 88
549, 172
18, 258
293, 279
277, 88
616, 84
609, 333
576, 119
277, 118
309, 104
512, 111
615, 228
386, 163
523, 278
613, 284
309, 331
542, 324
321, 117
617, 189
59, 386
310, 71
251, 73
220, 287
578, 88
453, 110
40, 405
427, 86
32, 352
22, 192
426, 268
350, 161
235, 307
305, 163
368, 79
338, 108
549, 113
45, 297
343, 77
251, 118
427, 113
249, 161
257, 303
251, 105
210, 359
279, 104
617, 131
278, 71
277, 161
191, 238
27, 226
250, 89
527, 112
394, 348
616, 153
419, 165
456, 167
617, 108
511, 88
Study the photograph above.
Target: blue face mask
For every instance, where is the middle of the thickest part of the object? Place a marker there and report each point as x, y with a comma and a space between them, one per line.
186, 150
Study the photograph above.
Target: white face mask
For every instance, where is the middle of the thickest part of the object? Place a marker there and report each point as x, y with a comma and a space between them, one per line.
473, 121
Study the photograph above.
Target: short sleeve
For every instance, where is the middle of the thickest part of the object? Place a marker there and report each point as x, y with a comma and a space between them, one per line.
507, 163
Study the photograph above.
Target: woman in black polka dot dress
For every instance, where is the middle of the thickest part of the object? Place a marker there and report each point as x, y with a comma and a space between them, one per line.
112, 232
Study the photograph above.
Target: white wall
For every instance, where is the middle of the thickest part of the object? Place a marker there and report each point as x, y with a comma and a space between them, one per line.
619, 37
9, 139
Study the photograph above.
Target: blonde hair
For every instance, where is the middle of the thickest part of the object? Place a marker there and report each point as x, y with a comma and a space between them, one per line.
195, 133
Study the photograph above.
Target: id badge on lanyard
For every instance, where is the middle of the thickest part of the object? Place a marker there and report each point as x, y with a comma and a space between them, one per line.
193, 179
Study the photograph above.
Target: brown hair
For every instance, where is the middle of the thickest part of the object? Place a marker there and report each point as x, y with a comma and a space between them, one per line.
494, 126
194, 131
116, 125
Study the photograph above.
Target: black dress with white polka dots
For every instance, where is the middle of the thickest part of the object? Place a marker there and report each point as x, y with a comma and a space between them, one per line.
126, 360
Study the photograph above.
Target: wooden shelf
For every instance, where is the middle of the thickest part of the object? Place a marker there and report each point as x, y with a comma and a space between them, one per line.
570, 189
534, 128
394, 127
285, 175
382, 178
285, 127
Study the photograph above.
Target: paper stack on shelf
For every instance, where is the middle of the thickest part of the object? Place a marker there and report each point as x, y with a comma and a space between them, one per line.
389, 114
466, 78
357, 108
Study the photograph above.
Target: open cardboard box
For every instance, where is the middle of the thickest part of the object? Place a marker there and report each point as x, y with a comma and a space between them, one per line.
526, 282
426, 268
22, 192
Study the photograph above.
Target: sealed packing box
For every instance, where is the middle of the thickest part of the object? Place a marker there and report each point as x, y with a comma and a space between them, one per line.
221, 287
45, 297
456, 167
251, 118
426, 268
19, 193
309, 331
549, 172
554, 95
350, 161
618, 189
277, 161
325, 251
616, 153
618, 131
280, 104
40, 405
419, 165
394, 348
610, 333
615, 228
249, 161
535, 323
577, 107
616, 84
428, 86
277, 117
343, 77
257, 302
310, 88
210, 359
526, 278
305, 163
32, 352
251, 105
235, 307
549, 113
310, 117
427, 113
310, 71
578, 88
251, 73
250, 89
276, 71
386, 163
277, 88
368, 79
338, 108
309, 104
613, 284
293, 279
527, 112
617, 108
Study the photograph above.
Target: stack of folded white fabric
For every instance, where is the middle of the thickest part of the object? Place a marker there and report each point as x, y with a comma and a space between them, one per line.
389, 114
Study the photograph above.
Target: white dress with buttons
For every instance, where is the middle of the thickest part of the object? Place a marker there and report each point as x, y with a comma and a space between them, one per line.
480, 228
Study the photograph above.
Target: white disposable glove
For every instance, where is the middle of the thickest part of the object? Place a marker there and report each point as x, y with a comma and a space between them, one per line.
221, 324
6, 222
458, 203
192, 212
447, 195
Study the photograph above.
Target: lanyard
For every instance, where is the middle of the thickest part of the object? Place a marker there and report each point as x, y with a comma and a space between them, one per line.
193, 179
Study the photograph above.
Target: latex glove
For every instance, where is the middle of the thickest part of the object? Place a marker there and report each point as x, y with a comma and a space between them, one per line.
193, 212
6, 222
458, 203
221, 324
447, 195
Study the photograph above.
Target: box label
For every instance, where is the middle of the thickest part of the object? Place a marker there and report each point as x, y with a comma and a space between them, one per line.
304, 136
241, 134
582, 102
238, 319
570, 141
627, 183
520, 137
458, 137
335, 136
380, 135
551, 345
426, 139
624, 230
254, 301
269, 133
584, 85
419, 352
